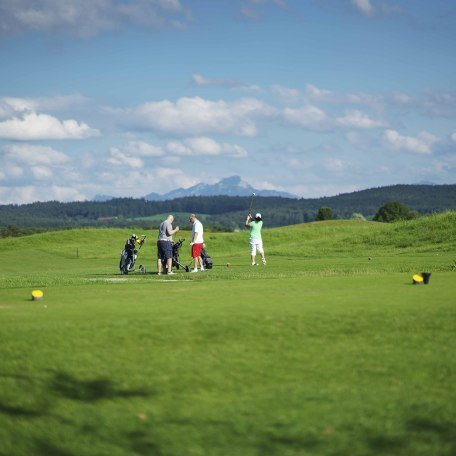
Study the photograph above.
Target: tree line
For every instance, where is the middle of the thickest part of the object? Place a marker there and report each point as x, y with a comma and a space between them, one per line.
225, 213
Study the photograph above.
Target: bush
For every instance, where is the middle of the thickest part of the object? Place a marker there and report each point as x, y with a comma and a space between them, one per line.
324, 213
394, 211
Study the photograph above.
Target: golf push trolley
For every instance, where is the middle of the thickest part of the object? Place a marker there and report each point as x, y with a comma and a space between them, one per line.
129, 255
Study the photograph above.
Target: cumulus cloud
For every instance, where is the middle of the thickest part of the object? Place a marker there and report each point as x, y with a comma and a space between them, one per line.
119, 157
134, 153
309, 117
86, 18
33, 126
144, 149
423, 143
196, 116
24, 194
358, 119
32, 155
329, 96
431, 102
41, 172
56, 103
363, 6
138, 182
287, 94
205, 146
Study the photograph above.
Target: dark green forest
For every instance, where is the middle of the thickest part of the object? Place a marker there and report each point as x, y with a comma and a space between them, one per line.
219, 212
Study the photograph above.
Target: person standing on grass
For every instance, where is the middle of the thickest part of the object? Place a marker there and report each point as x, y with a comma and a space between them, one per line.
197, 242
256, 242
164, 244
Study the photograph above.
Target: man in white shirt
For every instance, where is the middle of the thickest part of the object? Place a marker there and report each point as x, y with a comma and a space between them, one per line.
197, 242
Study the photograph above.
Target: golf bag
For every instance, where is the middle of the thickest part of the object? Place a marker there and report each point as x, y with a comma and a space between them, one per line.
207, 260
175, 259
129, 255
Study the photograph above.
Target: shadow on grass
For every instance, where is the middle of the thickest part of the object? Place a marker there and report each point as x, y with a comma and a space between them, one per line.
278, 445
426, 426
422, 429
143, 443
43, 448
19, 411
94, 390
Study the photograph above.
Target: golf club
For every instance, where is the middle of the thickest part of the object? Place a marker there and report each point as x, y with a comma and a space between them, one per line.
251, 203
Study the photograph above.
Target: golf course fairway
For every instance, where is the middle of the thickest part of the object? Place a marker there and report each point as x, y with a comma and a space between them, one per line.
328, 350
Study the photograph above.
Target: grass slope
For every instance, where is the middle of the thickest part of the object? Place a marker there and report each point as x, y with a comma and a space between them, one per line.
323, 352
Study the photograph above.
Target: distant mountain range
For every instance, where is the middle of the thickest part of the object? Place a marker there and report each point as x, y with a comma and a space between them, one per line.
229, 186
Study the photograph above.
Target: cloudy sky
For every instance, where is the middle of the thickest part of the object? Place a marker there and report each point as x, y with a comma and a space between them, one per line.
314, 97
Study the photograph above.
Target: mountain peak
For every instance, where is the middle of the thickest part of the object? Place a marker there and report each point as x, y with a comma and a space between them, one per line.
228, 186
232, 180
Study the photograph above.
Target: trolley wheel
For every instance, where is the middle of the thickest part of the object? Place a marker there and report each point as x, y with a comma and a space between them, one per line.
142, 269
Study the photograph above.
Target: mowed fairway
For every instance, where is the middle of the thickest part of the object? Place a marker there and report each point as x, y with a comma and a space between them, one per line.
328, 350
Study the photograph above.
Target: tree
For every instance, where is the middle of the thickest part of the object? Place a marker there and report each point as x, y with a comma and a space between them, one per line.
393, 212
324, 213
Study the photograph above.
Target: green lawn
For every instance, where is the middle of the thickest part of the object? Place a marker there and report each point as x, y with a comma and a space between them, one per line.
322, 352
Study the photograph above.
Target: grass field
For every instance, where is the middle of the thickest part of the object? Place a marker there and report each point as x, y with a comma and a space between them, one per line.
328, 350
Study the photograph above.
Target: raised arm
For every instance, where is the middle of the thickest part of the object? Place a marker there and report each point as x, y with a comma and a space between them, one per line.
247, 220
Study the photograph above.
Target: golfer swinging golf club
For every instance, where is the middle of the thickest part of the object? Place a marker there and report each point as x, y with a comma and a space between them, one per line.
256, 242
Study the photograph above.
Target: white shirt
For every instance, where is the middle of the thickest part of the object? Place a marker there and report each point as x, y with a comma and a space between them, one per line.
197, 232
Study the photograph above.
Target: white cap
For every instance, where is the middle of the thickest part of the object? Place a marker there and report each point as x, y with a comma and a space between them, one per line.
257, 215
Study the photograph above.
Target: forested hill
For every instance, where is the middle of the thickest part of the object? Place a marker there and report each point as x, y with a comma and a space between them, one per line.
226, 212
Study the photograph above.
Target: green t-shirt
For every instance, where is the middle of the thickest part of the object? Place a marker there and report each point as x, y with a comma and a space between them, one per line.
255, 230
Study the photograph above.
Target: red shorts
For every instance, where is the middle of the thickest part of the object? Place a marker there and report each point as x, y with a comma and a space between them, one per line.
196, 250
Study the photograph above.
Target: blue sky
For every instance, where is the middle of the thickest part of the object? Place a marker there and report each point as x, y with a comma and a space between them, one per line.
313, 97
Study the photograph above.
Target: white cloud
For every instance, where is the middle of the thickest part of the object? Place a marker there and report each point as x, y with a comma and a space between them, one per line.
203, 81
86, 18
334, 165
421, 144
56, 103
431, 102
15, 171
453, 137
197, 116
363, 6
32, 155
120, 158
32, 126
205, 146
309, 117
328, 96
317, 93
31, 193
41, 172
138, 182
288, 94
132, 155
144, 149
357, 119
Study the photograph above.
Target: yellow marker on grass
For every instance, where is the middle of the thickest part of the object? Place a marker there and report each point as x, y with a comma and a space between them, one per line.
37, 295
